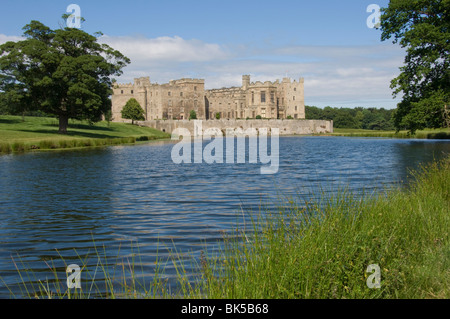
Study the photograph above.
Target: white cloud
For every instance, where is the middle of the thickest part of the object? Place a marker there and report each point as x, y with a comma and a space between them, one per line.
5, 38
334, 75
160, 49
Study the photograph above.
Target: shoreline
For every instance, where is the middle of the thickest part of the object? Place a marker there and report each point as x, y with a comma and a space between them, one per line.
19, 136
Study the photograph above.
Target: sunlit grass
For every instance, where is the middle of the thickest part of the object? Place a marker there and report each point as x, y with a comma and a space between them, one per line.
41, 133
443, 133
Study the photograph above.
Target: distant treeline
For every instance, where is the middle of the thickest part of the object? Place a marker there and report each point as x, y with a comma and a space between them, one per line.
357, 118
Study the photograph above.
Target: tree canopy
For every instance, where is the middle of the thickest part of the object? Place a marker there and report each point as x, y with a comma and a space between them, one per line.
423, 28
355, 118
63, 72
133, 111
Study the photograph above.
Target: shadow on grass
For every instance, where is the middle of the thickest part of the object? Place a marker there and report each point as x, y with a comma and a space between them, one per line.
72, 133
82, 127
10, 121
439, 136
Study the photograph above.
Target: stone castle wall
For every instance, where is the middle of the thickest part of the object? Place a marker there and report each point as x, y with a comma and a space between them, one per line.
286, 127
176, 99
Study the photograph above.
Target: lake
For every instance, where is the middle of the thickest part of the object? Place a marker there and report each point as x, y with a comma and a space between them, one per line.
56, 206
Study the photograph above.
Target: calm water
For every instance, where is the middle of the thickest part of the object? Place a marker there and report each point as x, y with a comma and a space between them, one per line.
55, 206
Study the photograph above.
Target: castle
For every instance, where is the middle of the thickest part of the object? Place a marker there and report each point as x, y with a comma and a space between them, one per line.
176, 99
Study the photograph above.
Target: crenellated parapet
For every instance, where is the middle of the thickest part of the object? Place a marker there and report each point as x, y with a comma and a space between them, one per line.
177, 98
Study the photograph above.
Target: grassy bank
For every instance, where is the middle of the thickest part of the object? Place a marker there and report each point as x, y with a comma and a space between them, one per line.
322, 249
315, 249
422, 134
41, 133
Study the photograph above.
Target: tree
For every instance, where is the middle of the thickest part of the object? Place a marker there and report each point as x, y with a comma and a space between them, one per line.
133, 111
63, 72
423, 28
192, 115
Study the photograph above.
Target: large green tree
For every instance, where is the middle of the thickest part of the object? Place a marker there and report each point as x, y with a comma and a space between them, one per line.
63, 72
423, 28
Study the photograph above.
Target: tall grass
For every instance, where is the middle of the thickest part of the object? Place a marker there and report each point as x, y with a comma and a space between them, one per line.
102, 276
306, 249
322, 249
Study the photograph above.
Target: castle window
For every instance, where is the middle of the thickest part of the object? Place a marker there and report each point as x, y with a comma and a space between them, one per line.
195, 88
181, 93
169, 93
293, 98
121, 92
296, 107
131, 91
295, 89
253, 97
170, 102
263, 97
272, 97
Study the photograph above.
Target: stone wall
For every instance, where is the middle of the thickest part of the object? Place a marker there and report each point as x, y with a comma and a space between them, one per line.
176, 99
286, 127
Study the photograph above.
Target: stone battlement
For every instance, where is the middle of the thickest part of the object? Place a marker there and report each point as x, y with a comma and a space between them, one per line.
178, 98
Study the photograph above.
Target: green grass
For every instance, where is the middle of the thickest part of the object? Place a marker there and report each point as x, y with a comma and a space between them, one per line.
443, 133
321, 249
41, 133
312, 249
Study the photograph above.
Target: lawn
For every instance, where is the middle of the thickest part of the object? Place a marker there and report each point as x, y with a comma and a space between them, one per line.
42, 133
443, 133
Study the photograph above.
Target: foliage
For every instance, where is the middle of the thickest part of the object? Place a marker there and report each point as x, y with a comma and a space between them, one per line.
217, 116
258, 117
133, 111
192, 115
63, 72
355, 118
423, 28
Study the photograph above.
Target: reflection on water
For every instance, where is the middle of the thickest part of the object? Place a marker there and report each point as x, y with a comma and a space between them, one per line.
55, 205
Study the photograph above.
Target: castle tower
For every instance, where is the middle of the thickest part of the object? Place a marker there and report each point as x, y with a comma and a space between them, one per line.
245, 81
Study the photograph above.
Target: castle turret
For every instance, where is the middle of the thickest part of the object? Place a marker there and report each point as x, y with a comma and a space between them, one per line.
245, 81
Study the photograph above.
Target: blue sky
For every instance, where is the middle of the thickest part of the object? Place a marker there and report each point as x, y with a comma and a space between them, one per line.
327, 42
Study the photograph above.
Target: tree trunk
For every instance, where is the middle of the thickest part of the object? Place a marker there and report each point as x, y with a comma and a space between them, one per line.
63, 124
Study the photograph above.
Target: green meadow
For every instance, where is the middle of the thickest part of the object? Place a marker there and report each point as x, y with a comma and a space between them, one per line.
443, 133
41, 133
